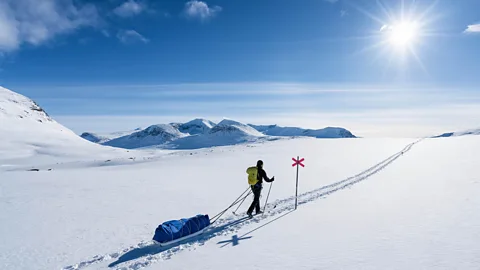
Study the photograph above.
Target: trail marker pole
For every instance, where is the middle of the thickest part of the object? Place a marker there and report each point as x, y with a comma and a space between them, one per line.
297, 162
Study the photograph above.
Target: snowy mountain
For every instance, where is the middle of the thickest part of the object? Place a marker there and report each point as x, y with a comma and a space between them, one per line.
227, 132
26, 130
329, 132
14, 106
152, 136
105, 137
233, 128
461, 133
198, 133
92, 137
201, 133
196, 126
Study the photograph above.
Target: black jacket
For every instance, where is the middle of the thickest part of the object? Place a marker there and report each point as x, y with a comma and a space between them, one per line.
262, 175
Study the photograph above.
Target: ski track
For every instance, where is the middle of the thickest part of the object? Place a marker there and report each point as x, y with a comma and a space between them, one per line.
151, 252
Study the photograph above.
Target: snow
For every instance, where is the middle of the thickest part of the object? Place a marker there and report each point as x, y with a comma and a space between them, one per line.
105, 137
93, 137
153, 135
460, 133
28, 134
15, 106
230, 127
227, 132
202, 133
197, 126
328, 132
198, 133
363, 203
416, 210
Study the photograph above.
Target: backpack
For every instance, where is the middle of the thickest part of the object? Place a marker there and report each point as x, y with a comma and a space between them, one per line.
252, 175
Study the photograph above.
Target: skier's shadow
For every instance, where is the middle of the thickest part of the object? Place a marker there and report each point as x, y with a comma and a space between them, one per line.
235, 238
156, 249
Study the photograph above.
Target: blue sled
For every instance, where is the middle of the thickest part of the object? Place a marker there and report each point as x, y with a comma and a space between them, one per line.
174, 231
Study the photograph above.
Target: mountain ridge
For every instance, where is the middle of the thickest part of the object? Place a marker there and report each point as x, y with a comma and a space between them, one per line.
201, 133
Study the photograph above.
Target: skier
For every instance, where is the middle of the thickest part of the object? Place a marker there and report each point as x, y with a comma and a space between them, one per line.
257, 188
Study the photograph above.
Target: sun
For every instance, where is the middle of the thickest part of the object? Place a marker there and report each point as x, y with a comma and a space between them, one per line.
403, 35
405, 29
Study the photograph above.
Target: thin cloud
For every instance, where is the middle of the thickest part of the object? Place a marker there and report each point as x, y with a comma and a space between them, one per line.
31, 22
129, 9
106, 33
200, 10
343, 13
130, 37
331, 1
473, 28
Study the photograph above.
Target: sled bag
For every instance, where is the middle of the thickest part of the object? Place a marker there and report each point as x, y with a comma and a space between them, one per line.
175, 229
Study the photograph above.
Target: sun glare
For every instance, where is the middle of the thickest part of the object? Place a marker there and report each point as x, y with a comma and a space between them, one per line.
405, 27
403, 35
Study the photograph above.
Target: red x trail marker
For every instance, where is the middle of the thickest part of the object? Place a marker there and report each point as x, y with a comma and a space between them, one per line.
298, 162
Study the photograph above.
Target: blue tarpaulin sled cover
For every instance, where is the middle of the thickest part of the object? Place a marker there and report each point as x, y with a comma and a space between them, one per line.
176, 229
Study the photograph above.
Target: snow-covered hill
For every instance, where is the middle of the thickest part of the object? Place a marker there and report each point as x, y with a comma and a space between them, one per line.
227, 132
93, 137
27, 131
201, 133
179, 136
154, 135
196, 126
460, 133
329, 132
105, 137
233, 128
15, 107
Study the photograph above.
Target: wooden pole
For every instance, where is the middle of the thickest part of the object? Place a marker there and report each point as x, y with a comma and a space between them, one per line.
296, 189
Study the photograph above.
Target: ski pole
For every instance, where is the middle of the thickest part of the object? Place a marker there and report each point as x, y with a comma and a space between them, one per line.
265, 207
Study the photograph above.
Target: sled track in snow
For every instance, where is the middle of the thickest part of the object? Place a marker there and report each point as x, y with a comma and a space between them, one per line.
146, 253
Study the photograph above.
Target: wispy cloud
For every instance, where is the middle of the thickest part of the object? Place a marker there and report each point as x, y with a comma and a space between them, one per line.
200, 10
343, 13
331, 1
129, 9
473, 28
36, 22
106, 33
131, 36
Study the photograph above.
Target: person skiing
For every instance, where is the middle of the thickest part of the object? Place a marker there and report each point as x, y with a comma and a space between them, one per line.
257, 188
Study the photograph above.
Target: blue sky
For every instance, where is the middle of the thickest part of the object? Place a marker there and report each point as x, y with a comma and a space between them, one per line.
120, 64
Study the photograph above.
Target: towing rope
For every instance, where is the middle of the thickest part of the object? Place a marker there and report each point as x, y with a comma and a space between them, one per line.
240, 198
